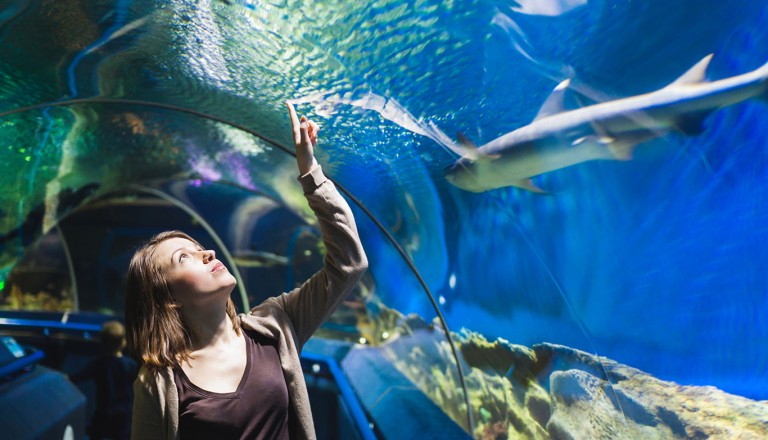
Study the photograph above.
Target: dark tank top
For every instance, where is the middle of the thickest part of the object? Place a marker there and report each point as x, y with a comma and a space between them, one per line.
258, 409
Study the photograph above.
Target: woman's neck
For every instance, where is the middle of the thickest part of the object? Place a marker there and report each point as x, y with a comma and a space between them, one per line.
209, 327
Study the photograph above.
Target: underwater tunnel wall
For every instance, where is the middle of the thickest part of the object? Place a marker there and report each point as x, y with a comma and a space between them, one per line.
598, 255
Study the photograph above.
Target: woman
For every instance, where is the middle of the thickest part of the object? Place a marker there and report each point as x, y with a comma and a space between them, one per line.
209, 373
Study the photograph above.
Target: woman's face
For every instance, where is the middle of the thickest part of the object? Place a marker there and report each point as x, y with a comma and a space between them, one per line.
193, 274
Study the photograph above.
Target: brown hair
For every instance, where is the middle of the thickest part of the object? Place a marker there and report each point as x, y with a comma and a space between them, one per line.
156, 332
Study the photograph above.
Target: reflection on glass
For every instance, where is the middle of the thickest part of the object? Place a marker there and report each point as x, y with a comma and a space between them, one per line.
40, 280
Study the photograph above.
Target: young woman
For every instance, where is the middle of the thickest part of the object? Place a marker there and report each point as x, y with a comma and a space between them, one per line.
209, 373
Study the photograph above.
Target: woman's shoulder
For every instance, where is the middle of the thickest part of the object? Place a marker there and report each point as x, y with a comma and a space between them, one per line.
270, 308
266, 318
154, 378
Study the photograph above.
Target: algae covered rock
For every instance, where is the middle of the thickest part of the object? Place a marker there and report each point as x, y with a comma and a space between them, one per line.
618, 401
551, 391
558, 392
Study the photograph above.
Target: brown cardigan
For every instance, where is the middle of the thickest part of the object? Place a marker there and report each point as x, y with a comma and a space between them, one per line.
290, 319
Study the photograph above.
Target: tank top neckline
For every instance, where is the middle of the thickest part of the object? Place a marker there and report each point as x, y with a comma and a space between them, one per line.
229, 395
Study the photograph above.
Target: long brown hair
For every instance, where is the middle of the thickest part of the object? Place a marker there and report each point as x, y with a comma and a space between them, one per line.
155, 329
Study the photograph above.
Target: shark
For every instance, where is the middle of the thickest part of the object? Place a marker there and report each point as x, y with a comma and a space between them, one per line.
610, 130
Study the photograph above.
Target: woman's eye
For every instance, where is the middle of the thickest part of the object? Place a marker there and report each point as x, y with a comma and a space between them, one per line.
182, 256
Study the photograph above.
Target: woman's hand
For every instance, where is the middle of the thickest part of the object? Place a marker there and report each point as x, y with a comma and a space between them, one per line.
304, 140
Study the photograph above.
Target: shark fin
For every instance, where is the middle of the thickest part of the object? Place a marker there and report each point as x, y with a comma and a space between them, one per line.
470, 150
467, 147
465, 141
528, 184
554, 103
696, 74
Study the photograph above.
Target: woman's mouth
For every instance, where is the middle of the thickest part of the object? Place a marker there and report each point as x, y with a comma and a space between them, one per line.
218, 266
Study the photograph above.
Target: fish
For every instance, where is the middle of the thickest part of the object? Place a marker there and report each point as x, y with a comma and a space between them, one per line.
558, 138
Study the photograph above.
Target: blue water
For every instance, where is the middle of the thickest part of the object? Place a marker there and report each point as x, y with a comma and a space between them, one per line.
656, 262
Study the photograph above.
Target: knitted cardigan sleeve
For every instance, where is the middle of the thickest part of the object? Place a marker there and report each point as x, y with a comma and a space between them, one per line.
345, 262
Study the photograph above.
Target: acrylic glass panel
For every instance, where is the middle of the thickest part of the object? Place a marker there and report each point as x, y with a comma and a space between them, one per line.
617, 297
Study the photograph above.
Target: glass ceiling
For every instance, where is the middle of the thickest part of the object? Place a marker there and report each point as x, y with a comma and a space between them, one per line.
615, 296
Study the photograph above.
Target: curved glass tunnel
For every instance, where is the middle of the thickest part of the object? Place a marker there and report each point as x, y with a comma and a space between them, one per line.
631, 295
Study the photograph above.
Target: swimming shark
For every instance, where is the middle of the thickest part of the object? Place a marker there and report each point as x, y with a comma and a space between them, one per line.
558, 138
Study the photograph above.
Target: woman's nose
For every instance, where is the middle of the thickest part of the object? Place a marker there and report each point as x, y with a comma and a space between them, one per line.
209, 255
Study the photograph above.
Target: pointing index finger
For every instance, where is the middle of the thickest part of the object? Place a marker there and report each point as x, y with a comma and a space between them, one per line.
294, 123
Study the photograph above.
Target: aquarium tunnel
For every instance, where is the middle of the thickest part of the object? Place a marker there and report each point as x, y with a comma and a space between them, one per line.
563, 202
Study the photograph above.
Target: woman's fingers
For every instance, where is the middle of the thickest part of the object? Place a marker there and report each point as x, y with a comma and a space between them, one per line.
306, 137
313, 131
301, 125
294, 123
